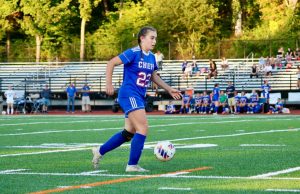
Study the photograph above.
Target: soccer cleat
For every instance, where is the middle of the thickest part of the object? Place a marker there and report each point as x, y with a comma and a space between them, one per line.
135, 168
96, 157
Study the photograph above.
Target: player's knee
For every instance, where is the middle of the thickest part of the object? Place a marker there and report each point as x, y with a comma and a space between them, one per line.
127, 135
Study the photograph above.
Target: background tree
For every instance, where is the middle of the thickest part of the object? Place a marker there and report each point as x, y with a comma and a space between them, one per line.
86, 8
9, 14
45, 19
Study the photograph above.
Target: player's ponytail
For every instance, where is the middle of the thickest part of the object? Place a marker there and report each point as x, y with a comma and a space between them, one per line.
143, 32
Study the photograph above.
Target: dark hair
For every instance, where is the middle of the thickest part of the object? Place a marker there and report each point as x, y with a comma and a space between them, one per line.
143, 32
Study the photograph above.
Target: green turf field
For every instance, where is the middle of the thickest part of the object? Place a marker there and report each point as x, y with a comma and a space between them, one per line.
214, 154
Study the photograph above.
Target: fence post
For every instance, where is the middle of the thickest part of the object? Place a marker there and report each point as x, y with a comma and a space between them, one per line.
169, 50
178, 82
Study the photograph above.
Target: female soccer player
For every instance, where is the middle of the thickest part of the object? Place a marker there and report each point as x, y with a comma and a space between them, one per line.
139, 69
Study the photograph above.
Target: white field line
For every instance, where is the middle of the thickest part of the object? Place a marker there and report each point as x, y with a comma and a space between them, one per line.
262, 145
22, 172
57, 131
284, 190
269, 174
235, 134
172, 140
174, 188
152, 126
43, 152
56, 122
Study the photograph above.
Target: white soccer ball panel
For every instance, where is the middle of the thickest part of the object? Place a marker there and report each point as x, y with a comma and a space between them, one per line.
164, 150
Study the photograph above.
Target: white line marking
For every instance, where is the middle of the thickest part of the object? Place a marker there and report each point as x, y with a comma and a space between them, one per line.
11, 171
43, 152
174, 188
262, 145
162, 176
152, 126
154, 142
284, 190
277, 172
235, 134
64, 122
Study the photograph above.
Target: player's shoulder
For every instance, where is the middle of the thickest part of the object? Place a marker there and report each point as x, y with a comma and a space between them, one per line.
135, 49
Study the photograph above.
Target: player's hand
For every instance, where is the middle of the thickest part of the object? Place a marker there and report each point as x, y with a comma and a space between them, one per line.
176, 94
110, 90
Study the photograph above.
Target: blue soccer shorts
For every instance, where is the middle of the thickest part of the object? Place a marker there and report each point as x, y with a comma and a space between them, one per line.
130, 104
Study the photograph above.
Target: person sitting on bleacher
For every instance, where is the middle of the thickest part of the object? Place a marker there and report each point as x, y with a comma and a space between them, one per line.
243, 103
223, 101
253, 105
198, 102
170, 109
237, 103
185, 104
205, 103
212, 69
278, 107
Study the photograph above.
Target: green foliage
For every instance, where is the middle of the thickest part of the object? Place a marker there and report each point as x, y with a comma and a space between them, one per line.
185, 27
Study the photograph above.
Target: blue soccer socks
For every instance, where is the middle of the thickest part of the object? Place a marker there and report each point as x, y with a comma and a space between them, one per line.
137, 146
114, 142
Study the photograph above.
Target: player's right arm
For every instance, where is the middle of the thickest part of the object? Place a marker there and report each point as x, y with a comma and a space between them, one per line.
109, 72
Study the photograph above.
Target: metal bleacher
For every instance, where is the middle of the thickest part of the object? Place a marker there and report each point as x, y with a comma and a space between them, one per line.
33, 76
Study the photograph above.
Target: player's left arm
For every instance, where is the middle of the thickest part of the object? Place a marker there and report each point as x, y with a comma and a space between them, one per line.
176, 94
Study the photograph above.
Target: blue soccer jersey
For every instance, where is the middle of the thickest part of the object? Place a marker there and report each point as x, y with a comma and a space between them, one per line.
254, 98
138, 69
266, 90
237, 99
84, 90
216, 94
186, 98
198, 99
206, 99
243, 99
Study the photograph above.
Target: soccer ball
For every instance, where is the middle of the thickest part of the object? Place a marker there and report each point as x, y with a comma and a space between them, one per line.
164, 151
3, 113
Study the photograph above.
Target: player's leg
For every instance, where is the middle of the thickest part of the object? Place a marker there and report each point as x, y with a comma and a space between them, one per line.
115, 141
139, 121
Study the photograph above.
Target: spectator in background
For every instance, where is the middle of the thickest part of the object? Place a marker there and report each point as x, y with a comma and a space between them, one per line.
230, 94
45, 95
86, 102
243, 103
290, 52
185, 104
223, 101
280, 52
170, 109
212, 69
272, 62
71, 93
183, 66
262, 62
298, 74
278, 107
224, 64
159, 59
188, 71
268, 70
254, 71
278, 63
252, 106
216, 97
10, 94
195, 68
297, 54
266, 88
